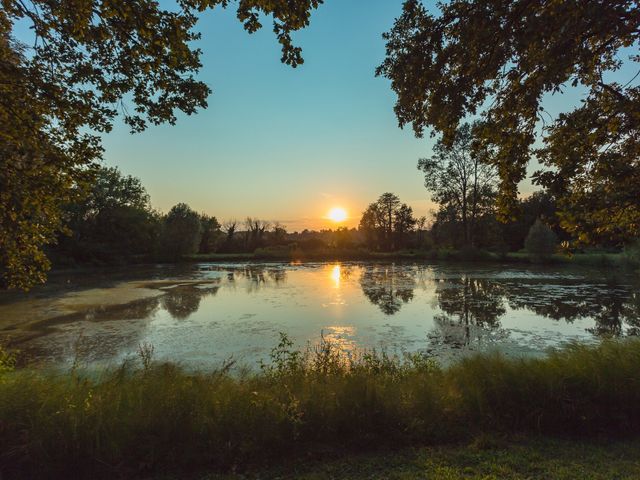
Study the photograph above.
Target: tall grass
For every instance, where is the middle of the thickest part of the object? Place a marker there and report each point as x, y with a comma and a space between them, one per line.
148, 417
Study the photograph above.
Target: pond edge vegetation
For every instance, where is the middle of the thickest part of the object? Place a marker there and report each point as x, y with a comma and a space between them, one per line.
146, 417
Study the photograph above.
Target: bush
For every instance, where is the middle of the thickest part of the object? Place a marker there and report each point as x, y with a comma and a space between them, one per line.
541, 241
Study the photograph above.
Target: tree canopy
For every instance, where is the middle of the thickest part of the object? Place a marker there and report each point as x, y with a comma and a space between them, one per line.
113, 221
87, 62
498, 59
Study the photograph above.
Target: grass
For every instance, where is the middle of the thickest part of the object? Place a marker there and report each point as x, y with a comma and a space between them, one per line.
482, 459
147, 418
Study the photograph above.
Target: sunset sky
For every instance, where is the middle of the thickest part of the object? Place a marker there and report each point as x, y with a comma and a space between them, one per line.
286, 144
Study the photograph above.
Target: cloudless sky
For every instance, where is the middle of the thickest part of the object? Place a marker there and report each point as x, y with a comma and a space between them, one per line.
280, 143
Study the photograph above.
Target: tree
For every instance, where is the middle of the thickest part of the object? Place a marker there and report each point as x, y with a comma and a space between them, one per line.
539, 205
255, 232
500, 58
541, 241
343, 238
594, 159
388, 205
371, 226
386, 222
278, 234
113, 221
210, 234
61, 92
182, 232
403, 223
460, 181
421, 227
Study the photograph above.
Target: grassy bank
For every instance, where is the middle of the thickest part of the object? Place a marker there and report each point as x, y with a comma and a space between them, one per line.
137, 420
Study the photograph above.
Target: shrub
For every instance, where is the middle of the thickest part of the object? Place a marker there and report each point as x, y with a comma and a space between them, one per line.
541, 241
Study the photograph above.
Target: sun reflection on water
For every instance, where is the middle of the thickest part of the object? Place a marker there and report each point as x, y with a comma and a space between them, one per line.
342, 337
336, 275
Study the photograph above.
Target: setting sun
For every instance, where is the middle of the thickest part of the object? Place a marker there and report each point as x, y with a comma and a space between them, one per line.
337, 214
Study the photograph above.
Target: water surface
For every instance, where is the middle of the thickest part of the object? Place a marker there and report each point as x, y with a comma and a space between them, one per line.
202, 314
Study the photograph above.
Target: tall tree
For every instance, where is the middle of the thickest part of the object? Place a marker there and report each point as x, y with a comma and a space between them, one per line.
388, 205
60, 92
500, 58
460, 180
386, 221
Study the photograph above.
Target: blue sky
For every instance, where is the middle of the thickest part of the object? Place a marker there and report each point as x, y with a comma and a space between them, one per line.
287, 144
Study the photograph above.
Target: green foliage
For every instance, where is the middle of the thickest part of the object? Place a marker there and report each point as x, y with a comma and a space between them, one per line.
593, 155
541, 242
7, 360
500, 59
113, 222
181, 232
133, 421
62, 89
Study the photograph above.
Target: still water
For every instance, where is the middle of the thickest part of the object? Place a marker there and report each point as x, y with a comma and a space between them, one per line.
200, 315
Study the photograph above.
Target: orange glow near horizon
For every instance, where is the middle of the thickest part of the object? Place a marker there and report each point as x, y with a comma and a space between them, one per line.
337, 214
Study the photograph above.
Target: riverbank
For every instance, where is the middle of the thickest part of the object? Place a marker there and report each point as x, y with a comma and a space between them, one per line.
146, 418
586, 259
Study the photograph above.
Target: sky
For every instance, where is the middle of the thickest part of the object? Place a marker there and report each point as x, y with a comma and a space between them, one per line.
279, 143
285, 144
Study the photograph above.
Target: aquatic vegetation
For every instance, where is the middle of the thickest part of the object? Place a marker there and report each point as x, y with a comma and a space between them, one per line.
145, 416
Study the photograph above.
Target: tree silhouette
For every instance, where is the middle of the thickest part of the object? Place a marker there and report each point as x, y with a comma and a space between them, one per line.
460, 181
386, 222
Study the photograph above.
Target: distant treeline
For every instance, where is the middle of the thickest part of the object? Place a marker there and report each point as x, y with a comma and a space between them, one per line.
115, 224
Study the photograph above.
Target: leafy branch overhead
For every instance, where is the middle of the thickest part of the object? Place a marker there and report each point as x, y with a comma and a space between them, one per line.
85, 63
498, 59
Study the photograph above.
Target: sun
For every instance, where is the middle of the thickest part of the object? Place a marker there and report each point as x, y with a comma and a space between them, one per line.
337, 214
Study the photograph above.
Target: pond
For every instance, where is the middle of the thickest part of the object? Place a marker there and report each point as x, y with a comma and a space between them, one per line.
200, 315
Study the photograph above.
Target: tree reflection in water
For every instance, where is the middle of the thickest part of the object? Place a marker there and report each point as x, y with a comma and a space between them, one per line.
470, 308
388, 286
255, 277
182, 301
614, 308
